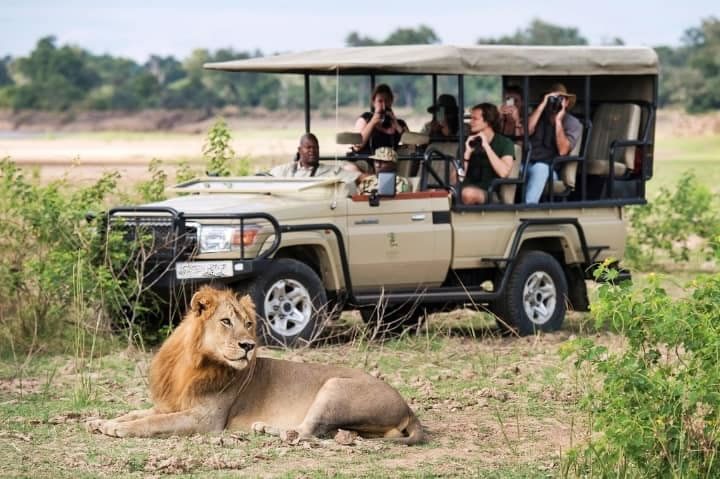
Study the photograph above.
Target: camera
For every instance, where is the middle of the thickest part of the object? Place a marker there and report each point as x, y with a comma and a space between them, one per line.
510, 101
554, 103
475, 142
385, 120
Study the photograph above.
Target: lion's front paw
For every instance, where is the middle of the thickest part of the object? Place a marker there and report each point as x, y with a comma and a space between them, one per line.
109, 428
93, 425
258, 427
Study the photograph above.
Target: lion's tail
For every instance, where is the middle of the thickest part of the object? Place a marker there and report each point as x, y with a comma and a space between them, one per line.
414, 429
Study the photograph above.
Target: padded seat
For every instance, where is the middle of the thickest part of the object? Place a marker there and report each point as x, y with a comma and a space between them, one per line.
568, 171
414, 183
449, 148
612, 122
506, 193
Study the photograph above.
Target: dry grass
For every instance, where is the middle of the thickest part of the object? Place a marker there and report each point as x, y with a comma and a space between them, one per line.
490, 405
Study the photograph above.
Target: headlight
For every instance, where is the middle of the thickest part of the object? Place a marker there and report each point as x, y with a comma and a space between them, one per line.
217, 239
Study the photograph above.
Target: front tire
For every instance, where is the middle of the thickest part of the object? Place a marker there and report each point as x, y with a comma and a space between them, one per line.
535, 295
290, 302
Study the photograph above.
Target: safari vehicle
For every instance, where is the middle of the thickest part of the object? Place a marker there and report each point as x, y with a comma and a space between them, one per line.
306, 246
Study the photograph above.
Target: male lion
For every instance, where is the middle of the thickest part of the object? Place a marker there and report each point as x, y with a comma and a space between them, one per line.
207, 377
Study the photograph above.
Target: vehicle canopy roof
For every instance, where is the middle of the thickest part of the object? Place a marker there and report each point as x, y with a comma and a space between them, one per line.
456, 60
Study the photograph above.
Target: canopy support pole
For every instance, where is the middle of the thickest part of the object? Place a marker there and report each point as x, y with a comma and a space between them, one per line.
307, 103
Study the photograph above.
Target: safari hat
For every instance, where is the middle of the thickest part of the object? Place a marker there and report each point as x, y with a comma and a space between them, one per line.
559, 87
446, 101
385, 153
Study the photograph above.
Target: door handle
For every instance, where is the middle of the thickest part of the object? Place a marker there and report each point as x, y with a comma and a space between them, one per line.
419, 217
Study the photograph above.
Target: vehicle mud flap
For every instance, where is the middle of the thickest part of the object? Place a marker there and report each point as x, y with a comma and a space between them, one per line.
577, 289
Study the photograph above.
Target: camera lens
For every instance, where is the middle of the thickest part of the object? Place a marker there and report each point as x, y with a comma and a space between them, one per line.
554, 103
475, 142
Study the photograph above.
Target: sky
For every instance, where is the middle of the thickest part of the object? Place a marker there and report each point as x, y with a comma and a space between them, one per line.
136, 28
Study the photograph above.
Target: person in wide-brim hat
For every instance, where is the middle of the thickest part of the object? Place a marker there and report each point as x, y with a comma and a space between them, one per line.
445, 117
559, 89
554, 132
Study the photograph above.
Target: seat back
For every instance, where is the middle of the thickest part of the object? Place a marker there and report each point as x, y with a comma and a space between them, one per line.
404, 167
414, 183
611, 122
442, 167
507, 192
568, 170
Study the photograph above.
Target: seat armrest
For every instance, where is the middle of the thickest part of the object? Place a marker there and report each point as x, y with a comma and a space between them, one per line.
498, 182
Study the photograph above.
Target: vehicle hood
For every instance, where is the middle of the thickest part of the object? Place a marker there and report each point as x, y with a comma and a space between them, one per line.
279, 206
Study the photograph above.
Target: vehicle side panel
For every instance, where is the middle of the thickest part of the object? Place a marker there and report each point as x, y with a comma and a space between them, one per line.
489, 234
399, 243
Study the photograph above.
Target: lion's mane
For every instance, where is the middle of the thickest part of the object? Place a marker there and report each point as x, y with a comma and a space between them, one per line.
181, 373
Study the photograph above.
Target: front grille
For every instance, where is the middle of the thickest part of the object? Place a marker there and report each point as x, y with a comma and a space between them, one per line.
158, 238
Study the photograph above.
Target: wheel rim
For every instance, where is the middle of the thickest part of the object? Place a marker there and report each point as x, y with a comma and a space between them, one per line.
539, 297
288, 307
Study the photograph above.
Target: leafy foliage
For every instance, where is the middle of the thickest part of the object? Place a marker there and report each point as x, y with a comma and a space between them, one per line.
217, 151
540, 33
658, 407
154, 188
54, 264
55, 77
60, 263
665, 225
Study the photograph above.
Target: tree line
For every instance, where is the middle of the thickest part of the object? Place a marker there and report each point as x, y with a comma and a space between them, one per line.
64, 77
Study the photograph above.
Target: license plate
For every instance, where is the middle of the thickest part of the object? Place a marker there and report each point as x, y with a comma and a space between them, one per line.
204, 269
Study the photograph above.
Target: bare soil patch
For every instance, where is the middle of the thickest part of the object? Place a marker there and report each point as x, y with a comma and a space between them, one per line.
492, 404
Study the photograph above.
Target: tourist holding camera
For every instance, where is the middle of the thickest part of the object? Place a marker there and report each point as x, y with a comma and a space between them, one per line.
444, 124
488, 155
510, 112
553, 132
379, 127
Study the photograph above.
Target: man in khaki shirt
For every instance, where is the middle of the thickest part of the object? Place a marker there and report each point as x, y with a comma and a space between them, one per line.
306, 163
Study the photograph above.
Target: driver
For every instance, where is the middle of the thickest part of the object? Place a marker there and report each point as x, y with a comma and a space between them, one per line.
306, 161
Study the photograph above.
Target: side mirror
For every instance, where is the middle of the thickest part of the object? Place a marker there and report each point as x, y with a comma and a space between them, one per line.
386, 187
386, 183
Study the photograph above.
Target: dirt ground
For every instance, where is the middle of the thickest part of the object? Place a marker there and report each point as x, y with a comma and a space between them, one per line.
491, 407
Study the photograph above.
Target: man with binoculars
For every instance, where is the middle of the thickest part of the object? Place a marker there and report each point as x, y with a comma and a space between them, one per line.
553, 132
488, 155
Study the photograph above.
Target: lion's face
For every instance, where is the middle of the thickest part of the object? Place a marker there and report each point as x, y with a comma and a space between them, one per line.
228, 326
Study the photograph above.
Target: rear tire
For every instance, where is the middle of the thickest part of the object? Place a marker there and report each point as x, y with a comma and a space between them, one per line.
290, 302
535, 295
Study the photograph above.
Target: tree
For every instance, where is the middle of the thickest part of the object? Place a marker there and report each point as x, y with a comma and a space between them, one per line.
701, 51
54, 78
540, 33
5, 78
406, 87
165, 69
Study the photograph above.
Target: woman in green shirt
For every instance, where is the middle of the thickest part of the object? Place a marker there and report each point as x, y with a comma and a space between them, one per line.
488, 155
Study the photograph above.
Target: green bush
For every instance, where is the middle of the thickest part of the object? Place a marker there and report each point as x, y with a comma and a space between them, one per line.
56, 269
220, 156
656, 412
61, 271
153, 189
663, 227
